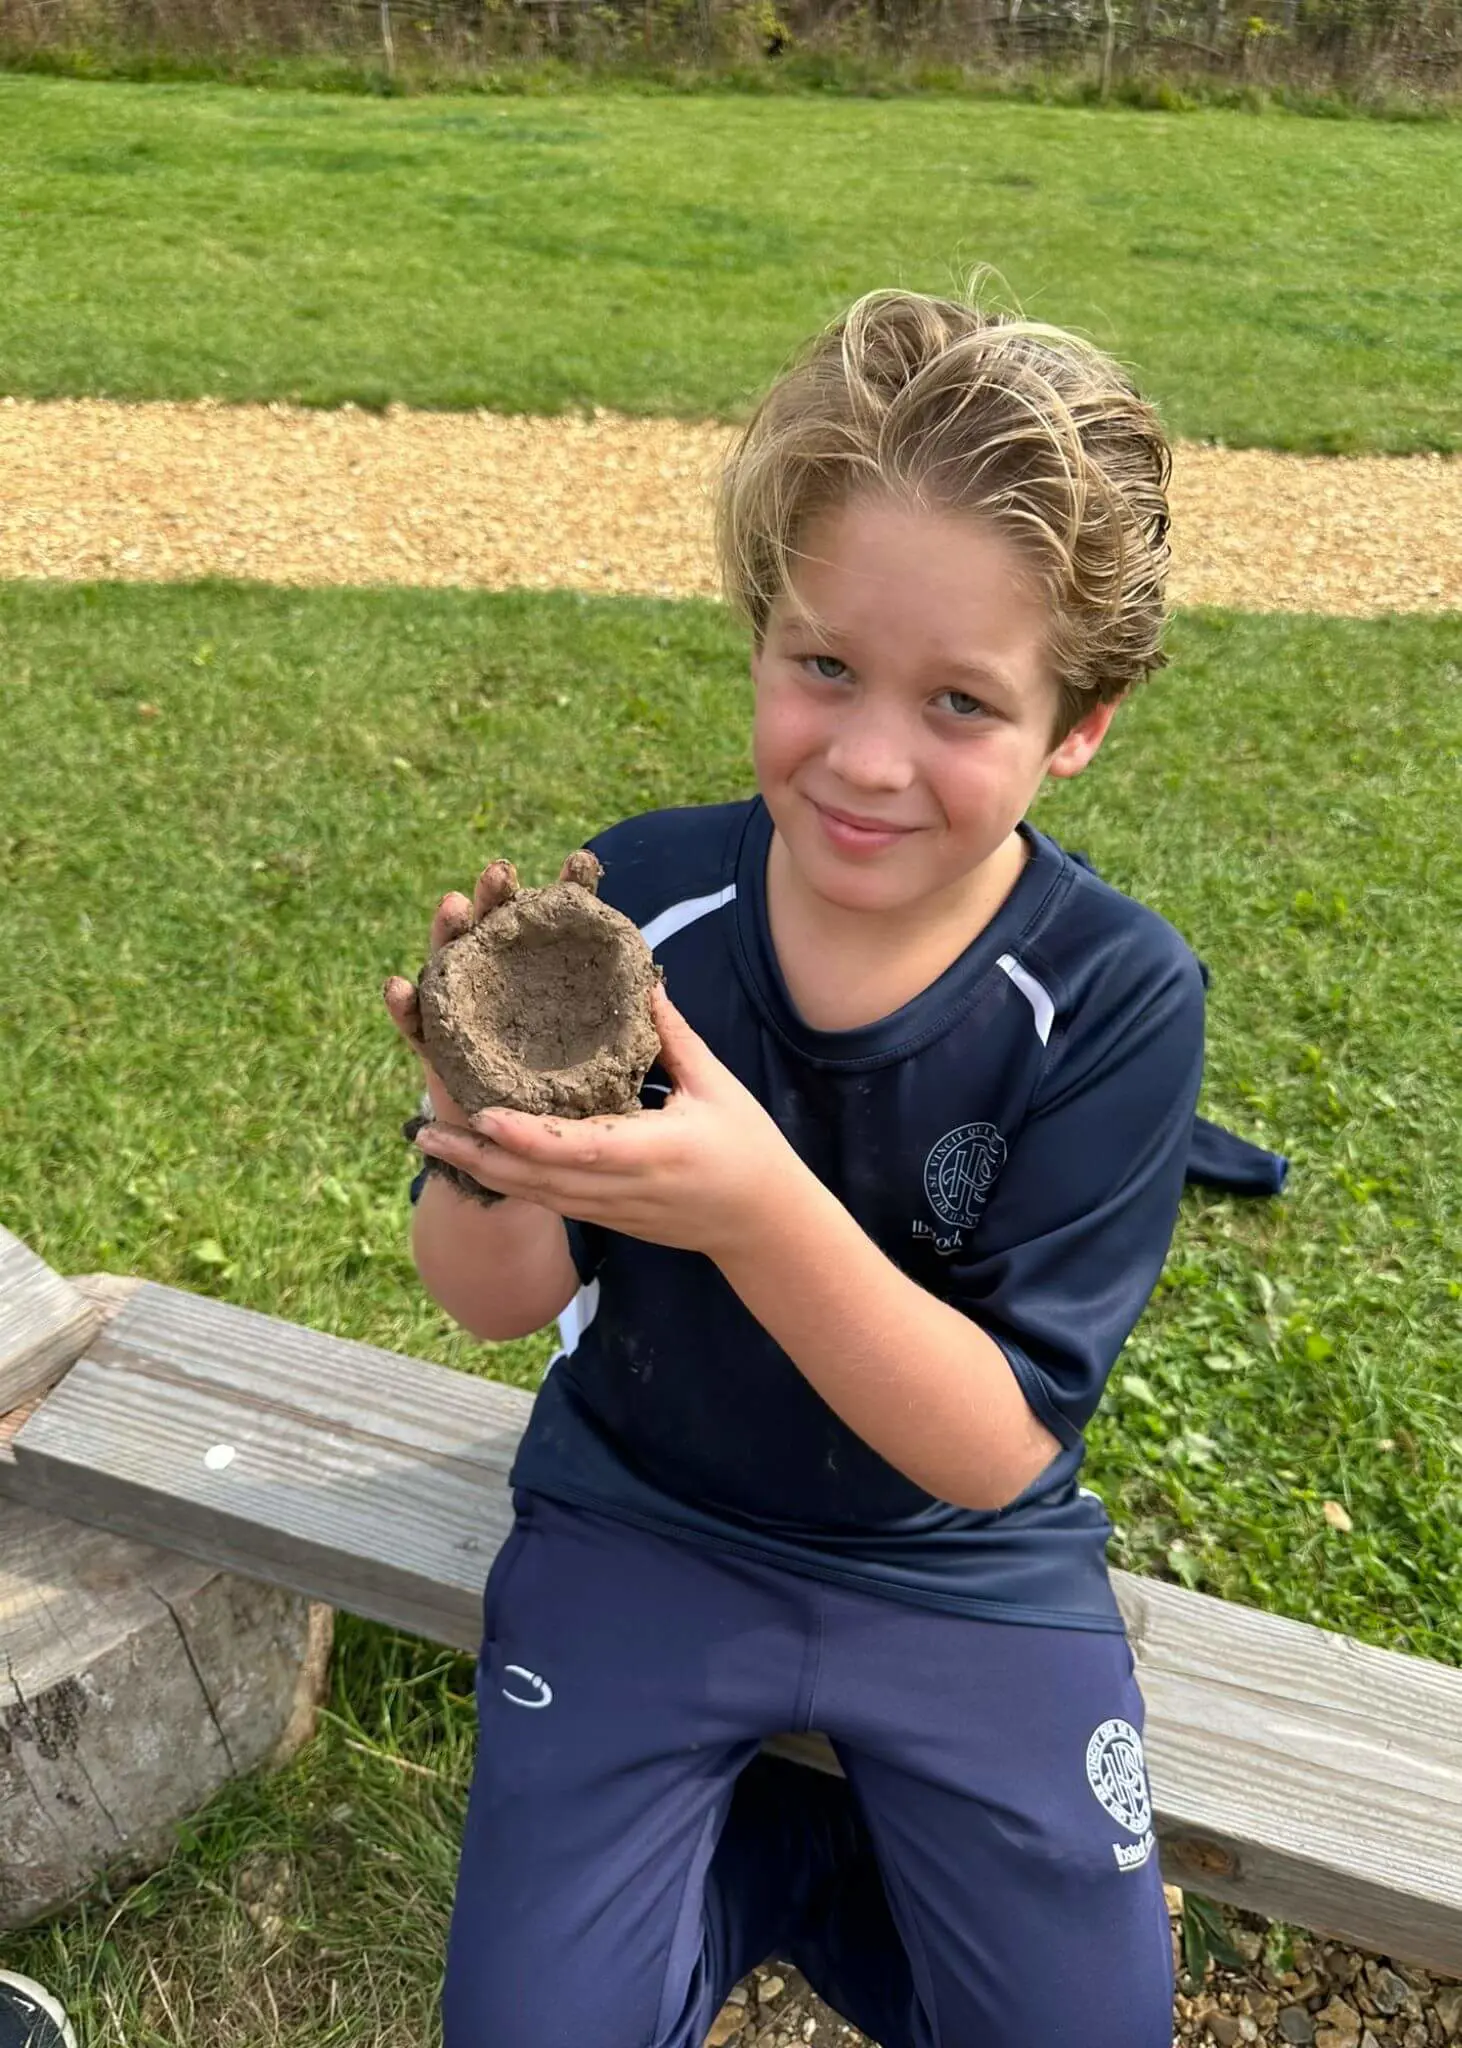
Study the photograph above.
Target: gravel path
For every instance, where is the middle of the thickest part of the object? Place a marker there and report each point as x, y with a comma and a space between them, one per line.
89, 488
1323, 1995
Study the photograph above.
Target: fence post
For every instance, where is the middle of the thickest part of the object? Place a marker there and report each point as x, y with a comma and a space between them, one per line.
1109, 42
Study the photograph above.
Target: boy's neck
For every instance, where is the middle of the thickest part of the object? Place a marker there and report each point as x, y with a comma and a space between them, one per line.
847, 968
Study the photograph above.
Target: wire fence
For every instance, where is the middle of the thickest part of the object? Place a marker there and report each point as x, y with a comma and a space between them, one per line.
1359, 48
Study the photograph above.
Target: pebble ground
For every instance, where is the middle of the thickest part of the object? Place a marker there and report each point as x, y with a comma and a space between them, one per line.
1325, 1996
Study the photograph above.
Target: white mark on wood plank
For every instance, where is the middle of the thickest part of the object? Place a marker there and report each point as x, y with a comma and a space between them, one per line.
219, 1456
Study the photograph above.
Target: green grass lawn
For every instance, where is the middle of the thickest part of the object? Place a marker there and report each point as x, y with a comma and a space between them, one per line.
1285, 283
198, 1083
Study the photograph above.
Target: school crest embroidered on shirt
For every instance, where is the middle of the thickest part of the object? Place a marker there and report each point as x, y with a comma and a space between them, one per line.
960, 1172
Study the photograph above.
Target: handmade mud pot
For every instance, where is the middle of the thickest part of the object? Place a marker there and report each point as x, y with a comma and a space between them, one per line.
543, 1006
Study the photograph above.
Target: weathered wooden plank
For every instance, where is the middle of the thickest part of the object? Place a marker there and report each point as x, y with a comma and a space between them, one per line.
105, 1292
373, 1481
264, 1361
1301, 1773
1294, 1771
44, 1323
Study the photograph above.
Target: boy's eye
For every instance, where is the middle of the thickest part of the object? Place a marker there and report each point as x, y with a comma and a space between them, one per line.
828, 667
960, 702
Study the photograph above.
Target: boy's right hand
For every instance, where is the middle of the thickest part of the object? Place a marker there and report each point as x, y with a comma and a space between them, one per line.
456, 915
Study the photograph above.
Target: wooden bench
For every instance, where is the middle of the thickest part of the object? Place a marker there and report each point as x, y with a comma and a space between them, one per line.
1294, 1771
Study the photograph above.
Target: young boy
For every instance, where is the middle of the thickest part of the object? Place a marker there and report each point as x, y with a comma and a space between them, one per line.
835, 1317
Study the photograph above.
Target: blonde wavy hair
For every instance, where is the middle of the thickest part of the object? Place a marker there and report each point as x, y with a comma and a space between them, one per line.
957, 409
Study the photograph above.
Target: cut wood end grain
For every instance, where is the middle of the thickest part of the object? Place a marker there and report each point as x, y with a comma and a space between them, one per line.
107, 1292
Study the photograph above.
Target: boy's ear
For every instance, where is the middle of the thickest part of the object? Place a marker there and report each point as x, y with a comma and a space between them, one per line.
1073, 753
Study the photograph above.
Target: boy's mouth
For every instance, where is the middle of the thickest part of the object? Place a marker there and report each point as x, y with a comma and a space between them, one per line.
852, 833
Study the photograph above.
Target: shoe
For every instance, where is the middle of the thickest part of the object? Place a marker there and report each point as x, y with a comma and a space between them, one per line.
29, 2016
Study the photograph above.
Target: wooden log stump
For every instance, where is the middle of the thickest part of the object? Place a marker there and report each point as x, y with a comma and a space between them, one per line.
133, 1684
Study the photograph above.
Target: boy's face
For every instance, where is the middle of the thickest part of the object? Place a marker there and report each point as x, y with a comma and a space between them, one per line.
898, 749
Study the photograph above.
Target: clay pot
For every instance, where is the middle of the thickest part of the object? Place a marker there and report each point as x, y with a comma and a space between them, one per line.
543, 1006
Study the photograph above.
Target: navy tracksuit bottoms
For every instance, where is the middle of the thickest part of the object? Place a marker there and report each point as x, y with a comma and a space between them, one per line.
983, 1878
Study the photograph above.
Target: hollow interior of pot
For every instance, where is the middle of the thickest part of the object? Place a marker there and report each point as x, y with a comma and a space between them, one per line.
558, 997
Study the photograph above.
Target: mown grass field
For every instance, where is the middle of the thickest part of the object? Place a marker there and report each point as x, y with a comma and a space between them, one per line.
1282, 283
198, 1083
199, 900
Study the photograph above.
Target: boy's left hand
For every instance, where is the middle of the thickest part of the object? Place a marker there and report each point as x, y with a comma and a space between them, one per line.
701, 1174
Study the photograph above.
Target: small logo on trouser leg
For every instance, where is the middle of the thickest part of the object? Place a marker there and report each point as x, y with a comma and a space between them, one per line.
1116, 1770
538, 1691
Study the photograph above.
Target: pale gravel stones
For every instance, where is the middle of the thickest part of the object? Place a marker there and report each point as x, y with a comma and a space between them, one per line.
163, 492
1334, 1997
604, 503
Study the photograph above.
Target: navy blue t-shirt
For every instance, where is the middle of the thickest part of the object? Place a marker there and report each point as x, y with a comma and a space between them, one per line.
1014, 1139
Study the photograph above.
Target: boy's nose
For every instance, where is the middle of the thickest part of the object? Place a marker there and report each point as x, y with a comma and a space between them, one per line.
865, 755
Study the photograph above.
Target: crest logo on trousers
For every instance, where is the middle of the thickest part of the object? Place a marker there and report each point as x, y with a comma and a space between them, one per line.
533, 1691
1116, 1770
